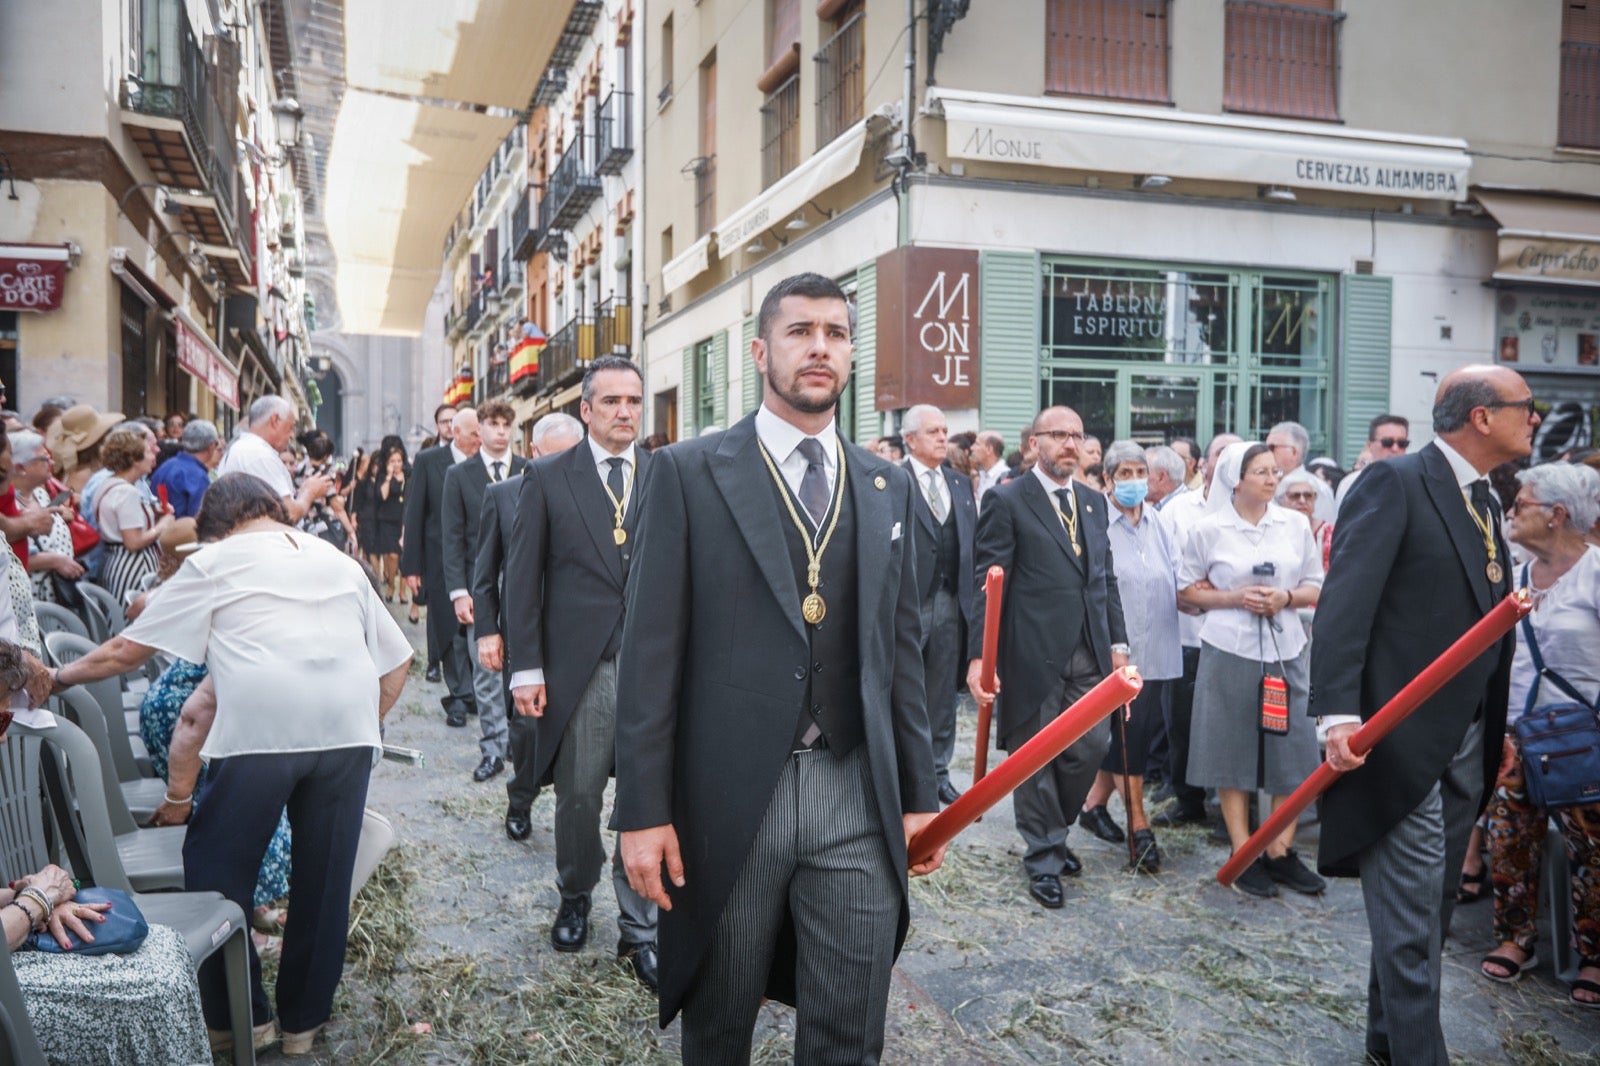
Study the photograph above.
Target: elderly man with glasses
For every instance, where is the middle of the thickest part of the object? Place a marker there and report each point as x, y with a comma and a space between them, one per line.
1291, 446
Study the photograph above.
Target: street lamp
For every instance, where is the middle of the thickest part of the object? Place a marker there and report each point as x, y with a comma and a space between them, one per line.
169, 206
287, 117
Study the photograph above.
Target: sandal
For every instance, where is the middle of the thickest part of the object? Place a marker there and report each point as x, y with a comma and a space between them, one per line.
1514, 969
269, 920
1474, 882
1583, 984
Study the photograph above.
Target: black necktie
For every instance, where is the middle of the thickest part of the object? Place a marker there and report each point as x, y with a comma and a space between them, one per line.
614, 479
1480, 500
498, 464
814, 485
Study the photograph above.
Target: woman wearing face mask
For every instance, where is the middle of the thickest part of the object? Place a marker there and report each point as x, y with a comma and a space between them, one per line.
1248, 565
1146, 564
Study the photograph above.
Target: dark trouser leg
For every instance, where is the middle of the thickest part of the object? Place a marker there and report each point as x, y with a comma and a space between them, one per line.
1048, 802
521, 788
234, 819
457, 664
941, 633
1408, 880
325, 815
1180, 711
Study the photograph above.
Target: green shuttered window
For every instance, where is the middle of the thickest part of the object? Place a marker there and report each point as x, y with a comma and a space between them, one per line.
1366, 311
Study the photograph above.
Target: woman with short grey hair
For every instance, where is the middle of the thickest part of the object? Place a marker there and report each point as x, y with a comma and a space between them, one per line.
50, 553
1556, 504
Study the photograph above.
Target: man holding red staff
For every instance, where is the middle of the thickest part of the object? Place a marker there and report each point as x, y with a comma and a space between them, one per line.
1418, 558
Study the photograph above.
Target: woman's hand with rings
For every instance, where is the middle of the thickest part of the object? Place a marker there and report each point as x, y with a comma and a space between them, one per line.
70, 918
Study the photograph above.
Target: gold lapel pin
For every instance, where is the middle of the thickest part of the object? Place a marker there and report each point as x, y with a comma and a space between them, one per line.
878, 482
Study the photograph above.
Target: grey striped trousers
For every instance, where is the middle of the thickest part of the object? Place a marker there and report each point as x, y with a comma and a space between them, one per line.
820, 855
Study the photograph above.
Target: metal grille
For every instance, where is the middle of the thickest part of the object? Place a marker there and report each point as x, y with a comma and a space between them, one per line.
780, 131
1580, 95
1109, 48
839, 63
1283, 59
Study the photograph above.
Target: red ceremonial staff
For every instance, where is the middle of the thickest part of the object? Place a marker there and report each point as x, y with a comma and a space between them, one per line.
1118, 689
1471, 644
993, 585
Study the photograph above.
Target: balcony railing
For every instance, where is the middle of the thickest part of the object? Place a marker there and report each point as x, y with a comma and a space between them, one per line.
496, 382
474, 312
566, 355
1281, 60
614, 321
613, 133
839, 63
705, 195
513, 277
780, 131
573, 186
521, 231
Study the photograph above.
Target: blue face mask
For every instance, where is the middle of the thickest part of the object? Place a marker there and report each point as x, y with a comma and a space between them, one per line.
1131, 493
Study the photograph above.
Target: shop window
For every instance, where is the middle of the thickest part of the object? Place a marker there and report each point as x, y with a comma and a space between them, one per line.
1108, 48
1282, 58
1287, 330
1580, 74
1171, 316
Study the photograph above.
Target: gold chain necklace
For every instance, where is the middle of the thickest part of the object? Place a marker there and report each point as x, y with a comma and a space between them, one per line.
1070, 521
619, 535
813, 609
1494, 571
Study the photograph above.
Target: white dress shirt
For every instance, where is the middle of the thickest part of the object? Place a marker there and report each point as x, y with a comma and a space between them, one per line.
488, 465
1224, 548
988, 479
1179, 513
1051, 488
937, 487
602, 467
251, 454
782, 441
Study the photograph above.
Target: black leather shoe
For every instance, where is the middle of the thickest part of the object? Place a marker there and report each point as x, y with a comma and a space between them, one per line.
456, 717
1070, 866
642, 957
948, 793
572, 925
432, 674
490, 766
1047, 890
1148, 856
1097, 820
519, 824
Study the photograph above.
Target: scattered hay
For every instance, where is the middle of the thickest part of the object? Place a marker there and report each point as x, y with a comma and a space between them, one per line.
1535, 1047
382, 925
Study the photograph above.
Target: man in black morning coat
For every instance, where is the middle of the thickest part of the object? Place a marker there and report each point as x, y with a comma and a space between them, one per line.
774, 759
1418, 558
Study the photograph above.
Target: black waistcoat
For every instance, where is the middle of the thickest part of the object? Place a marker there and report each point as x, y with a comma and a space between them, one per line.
833, 690
949, 558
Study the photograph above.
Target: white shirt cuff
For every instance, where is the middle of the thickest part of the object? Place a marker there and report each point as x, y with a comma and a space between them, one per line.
1328, 721
456, 594
526, 679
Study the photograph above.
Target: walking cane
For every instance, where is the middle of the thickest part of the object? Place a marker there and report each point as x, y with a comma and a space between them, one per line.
1122, 714
993, 584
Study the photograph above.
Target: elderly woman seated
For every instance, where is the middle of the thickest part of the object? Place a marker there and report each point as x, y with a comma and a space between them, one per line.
139, 1008
303, 662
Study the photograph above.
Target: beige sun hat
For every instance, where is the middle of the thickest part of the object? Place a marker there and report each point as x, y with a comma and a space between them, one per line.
77, 430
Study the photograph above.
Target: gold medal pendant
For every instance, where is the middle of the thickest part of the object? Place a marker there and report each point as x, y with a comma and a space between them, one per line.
619, 535
1495, 571
813, 609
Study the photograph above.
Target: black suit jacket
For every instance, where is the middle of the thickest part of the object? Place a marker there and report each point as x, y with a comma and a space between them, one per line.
564, 580
422, 553
714, 665
927, 538
1405, 580
1020, 532
494, 535
464, 486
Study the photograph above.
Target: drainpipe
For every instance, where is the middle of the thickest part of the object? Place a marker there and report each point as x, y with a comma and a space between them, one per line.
903, 229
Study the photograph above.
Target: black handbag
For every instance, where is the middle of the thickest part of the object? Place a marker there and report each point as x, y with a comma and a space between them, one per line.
1560, 744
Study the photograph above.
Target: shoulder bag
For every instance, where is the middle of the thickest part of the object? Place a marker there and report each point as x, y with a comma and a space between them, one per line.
1560, 744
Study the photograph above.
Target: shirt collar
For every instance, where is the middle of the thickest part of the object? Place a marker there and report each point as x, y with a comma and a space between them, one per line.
1173, 495
601, 455
1274, 516
921, 469
1464, 471
1051, 487
457, 454
488, 462
782, 438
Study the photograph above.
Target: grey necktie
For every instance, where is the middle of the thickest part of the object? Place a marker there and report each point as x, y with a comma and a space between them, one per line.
499, 466
935, 500
614, 480
814, 484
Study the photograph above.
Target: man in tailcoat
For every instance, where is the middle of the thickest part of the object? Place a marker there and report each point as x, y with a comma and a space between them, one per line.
422, 561
465, 486
1418, 558
551, 435
772, 742
947, 512
1061, 633
566, 569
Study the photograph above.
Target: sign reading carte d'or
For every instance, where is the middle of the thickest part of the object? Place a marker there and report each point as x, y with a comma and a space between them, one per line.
32, 277
927, 341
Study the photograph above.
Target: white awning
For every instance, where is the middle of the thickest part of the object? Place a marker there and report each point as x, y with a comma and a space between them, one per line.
398, 173
836, 161
1084, 135
488, 52
1545, 238
682, 269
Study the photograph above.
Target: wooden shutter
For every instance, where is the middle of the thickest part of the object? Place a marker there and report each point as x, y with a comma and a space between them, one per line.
785, 29
1363, 371
750, 377
1579, 116
1012, 286
719, 379
1109, 48
867, 422
1282, 58
688, 397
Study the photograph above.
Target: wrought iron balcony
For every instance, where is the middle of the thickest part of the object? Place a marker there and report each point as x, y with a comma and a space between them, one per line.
613, 132
495, 383
780, 131
705, 195
567, 355
614, 321
573, 186
521, 231
513, 278
474, 312
839, 66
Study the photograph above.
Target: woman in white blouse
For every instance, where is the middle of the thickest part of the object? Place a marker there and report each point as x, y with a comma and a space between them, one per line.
1248, 565
1555, 505
129, 527
304, 661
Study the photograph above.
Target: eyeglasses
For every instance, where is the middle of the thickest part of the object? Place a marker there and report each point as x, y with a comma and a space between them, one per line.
1526, 405
1517, 505
1301, 497
1395, 442
1059, 435
1275, 447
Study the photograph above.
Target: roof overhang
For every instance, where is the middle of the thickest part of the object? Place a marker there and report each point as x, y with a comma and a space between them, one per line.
1545, 238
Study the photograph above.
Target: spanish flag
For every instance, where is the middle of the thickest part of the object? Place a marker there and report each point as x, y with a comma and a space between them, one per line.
525, 356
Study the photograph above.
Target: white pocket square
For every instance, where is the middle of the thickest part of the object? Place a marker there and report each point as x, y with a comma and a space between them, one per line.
894, 534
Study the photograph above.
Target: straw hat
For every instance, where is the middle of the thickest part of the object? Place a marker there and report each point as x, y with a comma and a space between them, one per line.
179, 538
78, 429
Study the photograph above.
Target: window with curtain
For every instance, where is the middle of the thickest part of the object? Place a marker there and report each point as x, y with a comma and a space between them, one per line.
1282, 58
1108, 48
1579, 124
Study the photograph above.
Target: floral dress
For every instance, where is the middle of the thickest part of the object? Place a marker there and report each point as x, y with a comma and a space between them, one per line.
58, 540
158, 718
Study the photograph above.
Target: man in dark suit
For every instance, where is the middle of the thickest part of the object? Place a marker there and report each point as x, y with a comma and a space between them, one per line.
946, 515
1418, 557
465, 485
1061, 633
566, 570
422, 562
551, 435
772, 741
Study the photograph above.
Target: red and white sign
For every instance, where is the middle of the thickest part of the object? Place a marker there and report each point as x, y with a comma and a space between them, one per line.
32, 276
205, 362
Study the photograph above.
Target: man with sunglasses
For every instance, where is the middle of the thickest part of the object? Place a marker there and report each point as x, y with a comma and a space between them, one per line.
1418, 558
1387, 437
